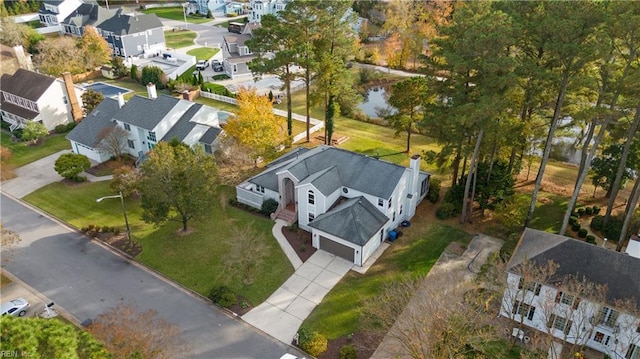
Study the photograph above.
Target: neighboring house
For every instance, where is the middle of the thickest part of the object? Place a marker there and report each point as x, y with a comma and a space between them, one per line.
148, 120
550, 307
236, 55
234, 7
133, 35
30, 96
259, 8
633, 247
53, 12
348, 201
87, 14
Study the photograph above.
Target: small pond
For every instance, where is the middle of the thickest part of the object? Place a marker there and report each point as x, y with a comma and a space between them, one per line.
375, 103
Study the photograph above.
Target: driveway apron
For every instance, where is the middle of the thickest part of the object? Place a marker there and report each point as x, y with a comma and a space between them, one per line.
284, 311
33, 176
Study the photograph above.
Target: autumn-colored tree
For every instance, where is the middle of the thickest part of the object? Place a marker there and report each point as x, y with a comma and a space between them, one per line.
255, 126
57, 55
113, 141
8, 240
14, 34
96, 49
177, 179
125, 180
246, 254
90, 100
130, 333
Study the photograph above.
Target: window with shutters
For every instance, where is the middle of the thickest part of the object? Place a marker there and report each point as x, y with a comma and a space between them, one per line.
533, 287
608, 317
560, 323
524, 309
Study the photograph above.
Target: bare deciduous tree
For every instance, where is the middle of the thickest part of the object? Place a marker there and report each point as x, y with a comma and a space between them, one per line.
9, 240
246, 254
130, 333
113, 141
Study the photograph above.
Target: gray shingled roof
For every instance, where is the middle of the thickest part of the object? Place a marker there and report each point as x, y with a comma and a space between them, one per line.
122, 24
26, 84
363, 173
210, 136
18, 110
184, 125
87, 130
236, 39
287, 157
356, 220
619, 271
145, 112
326, 181
89, 13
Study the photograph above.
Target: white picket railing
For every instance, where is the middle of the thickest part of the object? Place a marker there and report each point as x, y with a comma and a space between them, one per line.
317, 125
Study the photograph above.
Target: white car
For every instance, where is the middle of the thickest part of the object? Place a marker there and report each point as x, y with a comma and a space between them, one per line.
17, 307
202, 64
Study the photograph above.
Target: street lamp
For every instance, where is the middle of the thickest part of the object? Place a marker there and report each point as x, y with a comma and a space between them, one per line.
124, 211
184, 13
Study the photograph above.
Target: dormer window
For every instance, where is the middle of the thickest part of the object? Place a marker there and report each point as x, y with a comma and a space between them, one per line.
312, 197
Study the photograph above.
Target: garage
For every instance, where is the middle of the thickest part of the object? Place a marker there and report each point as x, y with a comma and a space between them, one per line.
336, 248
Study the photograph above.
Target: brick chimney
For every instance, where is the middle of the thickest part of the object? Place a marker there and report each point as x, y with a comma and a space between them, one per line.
76, 111
151, 90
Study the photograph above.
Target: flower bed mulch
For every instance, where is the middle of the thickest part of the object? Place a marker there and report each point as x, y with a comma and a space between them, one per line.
300, 240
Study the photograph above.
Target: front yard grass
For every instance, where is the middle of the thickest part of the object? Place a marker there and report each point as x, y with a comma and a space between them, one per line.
180, 38
203, 53
194, 260
24, 152
412, 254
176, 13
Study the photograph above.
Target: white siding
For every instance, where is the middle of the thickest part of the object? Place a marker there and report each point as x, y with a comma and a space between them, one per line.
53, 109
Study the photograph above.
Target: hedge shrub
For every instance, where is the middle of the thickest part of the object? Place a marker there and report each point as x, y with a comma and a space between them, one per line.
223, 296
588, 211
591, 239
573, 220
575, 227
269, 206
445, 211
348, 352
596, 209
315, 345
582, 233
581, 211
434, 190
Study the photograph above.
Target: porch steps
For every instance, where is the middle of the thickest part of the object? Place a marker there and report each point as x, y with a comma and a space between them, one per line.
287, 216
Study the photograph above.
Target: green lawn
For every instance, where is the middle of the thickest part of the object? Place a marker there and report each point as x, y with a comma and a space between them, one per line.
180, 38
24, 152
176, 13
195, 260
414, 253
203, 53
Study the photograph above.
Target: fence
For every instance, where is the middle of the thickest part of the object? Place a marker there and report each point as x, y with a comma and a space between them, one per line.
317, 124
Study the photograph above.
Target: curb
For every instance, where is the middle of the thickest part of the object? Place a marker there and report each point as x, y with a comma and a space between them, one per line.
60, 310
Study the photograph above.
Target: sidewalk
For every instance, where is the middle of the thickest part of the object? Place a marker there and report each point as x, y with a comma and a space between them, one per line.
284, 311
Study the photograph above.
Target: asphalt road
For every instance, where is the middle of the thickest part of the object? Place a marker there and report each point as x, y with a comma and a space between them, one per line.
87, 279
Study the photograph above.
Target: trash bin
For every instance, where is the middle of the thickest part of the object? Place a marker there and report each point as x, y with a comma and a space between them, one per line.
392, 235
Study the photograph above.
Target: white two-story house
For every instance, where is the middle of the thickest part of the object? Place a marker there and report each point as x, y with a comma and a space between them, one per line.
53, 12
30, 96
565, 304
259, 8
348, 201
147, 120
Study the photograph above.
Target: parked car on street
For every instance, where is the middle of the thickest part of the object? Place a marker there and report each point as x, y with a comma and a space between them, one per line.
17, 307
202, 64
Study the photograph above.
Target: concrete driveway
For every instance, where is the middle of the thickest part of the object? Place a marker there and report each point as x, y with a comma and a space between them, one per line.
33, 176
86, 279
284, 311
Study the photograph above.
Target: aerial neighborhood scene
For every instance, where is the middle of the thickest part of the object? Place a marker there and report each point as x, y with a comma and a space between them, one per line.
336, 179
